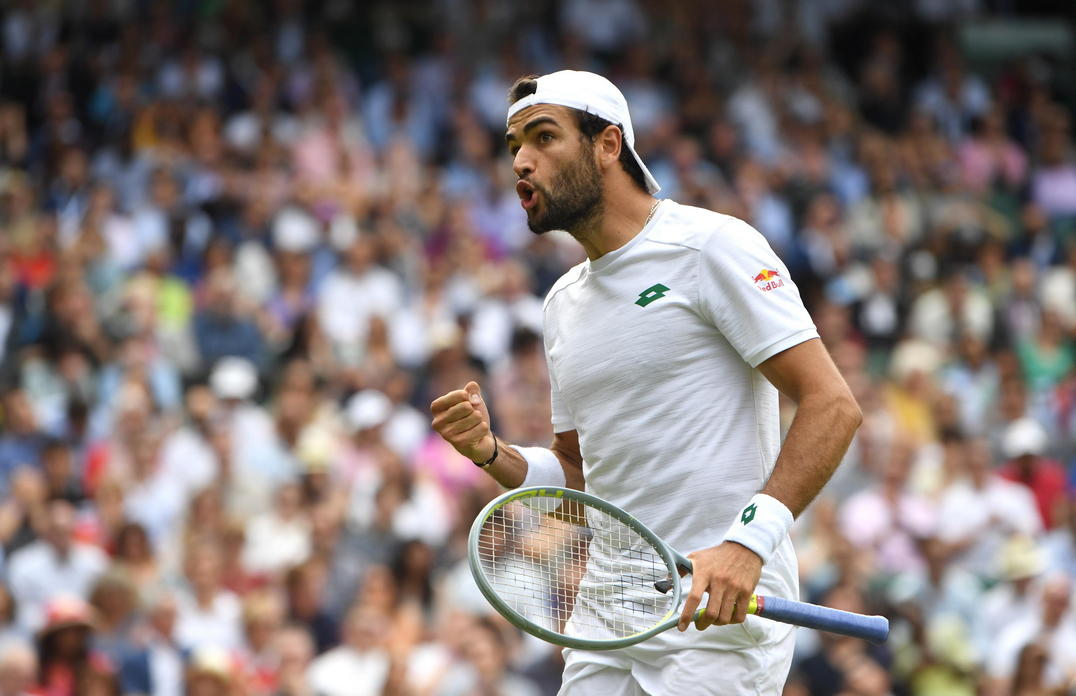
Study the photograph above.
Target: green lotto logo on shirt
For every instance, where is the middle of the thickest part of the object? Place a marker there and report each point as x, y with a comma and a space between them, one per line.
654, 292
768, 279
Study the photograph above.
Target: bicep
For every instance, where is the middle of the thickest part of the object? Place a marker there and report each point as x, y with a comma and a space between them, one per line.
805, 368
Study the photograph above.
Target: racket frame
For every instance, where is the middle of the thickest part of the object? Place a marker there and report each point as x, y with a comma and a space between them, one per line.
671, 557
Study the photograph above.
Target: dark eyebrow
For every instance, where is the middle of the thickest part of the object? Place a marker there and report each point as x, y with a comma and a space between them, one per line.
531, 125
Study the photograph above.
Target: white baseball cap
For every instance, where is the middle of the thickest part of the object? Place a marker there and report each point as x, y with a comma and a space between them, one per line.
593, 94
234, 378
368, 409
1024, 437
294, 230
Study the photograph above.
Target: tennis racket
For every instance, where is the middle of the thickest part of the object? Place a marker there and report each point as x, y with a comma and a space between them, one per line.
577, 571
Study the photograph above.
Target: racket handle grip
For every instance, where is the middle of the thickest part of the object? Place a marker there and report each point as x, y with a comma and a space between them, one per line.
872, 628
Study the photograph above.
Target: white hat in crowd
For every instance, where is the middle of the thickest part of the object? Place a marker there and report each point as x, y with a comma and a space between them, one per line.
1024, 437
368, 409
234, 378
294, 230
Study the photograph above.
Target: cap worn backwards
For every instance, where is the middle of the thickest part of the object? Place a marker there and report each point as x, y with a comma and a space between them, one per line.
592, 94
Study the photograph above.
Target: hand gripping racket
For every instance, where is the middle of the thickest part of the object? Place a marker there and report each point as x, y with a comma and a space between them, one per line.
577, 571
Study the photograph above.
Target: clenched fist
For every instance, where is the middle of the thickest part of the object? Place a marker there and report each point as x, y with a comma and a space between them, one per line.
461, 418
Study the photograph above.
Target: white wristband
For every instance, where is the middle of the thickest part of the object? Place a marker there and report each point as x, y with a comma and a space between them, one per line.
761, 525
543, 467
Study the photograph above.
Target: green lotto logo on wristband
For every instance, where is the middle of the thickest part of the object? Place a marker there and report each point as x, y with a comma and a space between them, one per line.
748, 514
654, 292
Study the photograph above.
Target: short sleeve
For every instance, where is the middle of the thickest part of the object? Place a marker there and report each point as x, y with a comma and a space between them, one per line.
746, 291
562, 418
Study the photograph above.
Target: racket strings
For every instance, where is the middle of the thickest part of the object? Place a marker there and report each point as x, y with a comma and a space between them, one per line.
575, 563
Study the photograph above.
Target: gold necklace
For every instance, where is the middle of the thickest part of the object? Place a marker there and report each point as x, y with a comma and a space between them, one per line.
651, 213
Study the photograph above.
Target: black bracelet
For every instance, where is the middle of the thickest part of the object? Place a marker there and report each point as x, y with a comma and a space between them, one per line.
496, 451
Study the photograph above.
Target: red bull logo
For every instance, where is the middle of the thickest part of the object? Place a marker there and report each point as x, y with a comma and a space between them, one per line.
768, 279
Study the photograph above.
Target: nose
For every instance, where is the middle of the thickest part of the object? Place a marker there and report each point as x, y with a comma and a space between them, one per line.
522, 163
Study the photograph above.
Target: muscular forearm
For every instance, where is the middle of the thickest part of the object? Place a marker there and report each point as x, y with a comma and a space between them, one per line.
816, 442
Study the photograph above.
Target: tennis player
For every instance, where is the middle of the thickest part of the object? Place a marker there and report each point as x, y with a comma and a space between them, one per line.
666, 348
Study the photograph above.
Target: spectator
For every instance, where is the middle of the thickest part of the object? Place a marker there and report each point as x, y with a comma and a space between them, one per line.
54, 566
411, 574
114, 601
973, 378
951, 95
305, 585
990, 159
65, 651
208, 614
220, 327
1024, 445
888, 521
360, 665
244, 438
22, 510
952, 310
280, 538
294, 650
980, 510
354, 293
1020, 564
1051, 628
1053, 185
263, 613
156, 667
510, 305
186, 452
21, 442
487, 656
210, 672
165, 226
61, 479
152, 498
1048, 356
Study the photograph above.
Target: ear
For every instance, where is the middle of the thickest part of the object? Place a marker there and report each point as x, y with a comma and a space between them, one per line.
609, 142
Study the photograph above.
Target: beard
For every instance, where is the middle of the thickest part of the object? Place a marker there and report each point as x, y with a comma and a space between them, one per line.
572, 199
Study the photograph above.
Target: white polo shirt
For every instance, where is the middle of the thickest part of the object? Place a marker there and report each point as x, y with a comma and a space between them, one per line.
652, 351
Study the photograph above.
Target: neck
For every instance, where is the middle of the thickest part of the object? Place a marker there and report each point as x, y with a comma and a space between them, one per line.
63, 552
621, 216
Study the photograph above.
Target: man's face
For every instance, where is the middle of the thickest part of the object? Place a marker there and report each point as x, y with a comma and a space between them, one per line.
560, 184
61, 525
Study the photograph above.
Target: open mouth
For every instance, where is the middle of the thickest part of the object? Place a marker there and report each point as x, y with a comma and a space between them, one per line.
528, 195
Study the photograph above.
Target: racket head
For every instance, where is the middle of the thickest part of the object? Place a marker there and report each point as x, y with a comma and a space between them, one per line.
573, 569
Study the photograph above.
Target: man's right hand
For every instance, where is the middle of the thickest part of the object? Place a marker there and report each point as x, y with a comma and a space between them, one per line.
461, 418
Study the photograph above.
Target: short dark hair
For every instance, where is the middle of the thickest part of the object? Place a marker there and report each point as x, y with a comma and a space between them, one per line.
589, 125
53, 443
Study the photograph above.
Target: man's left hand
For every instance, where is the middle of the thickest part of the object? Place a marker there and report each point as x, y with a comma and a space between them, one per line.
727, 572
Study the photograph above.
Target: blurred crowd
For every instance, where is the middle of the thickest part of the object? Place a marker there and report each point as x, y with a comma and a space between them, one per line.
244, 244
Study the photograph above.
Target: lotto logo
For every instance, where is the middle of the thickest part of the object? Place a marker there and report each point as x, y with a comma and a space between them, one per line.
654, 292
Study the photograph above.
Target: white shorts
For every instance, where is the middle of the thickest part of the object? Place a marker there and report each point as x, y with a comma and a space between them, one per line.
749, 659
